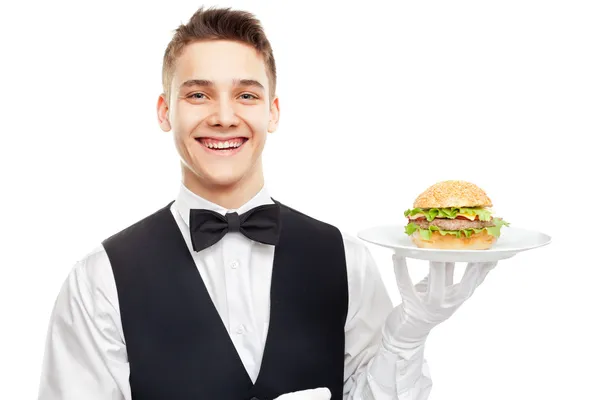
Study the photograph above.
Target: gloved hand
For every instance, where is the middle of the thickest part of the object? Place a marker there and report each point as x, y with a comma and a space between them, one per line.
310, 394
428, 303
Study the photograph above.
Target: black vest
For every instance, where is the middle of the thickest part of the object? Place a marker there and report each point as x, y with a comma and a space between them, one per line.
177, 345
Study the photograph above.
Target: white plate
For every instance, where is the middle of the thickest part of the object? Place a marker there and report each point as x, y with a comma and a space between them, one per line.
511, 241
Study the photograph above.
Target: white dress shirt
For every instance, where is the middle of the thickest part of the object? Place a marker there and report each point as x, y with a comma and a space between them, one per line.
86, 354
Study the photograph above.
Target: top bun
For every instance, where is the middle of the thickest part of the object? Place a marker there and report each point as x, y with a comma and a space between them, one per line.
453, 194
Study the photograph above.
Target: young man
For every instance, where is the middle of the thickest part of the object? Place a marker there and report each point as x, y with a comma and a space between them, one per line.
225, 293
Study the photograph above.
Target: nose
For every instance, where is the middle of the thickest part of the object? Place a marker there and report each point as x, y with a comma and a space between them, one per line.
224, 115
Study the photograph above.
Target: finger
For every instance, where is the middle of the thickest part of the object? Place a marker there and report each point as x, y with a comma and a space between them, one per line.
422, 286
467, 285
309, 394
314, 394
485, 269
470, 272
437, 282
449, 273
320, 394
403, 280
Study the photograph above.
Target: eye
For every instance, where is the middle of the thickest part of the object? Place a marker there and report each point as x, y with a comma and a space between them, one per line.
196, 96
248, 96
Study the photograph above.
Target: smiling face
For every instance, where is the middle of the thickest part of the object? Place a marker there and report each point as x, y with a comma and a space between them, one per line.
220, 113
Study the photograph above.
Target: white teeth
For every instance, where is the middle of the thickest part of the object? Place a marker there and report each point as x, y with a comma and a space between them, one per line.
224, 145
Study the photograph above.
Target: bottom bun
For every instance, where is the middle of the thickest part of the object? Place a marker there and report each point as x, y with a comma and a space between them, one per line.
477, 241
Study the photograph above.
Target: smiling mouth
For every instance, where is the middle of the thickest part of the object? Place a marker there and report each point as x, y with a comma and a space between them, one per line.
223, 147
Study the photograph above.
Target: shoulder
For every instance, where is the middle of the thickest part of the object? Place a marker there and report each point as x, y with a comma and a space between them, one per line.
305, 217
143, 225
356, 251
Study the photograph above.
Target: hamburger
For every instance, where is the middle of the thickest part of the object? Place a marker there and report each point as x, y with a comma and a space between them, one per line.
453, 215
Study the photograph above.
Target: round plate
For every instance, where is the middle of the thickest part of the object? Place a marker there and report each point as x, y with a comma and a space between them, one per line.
511, 241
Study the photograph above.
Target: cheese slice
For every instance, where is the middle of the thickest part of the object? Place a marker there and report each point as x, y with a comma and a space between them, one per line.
419, 215
469, 216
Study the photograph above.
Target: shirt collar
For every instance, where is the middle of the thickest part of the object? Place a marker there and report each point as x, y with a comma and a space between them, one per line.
187, 200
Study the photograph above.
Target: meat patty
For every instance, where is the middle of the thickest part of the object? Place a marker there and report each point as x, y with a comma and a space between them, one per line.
448, 224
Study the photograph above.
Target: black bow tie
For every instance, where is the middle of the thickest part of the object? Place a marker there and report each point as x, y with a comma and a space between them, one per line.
261, 224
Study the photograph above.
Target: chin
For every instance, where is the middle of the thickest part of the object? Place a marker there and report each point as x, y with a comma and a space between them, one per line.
221, 177
219, 173
224, 182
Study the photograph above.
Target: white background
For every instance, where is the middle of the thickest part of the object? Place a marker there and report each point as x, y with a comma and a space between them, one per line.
379, 101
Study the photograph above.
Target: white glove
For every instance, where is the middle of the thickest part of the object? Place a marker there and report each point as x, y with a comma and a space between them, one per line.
428, 303
310, 394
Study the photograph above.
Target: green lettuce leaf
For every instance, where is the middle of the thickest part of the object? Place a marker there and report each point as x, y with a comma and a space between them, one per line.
495, 230
426, 233
431, 213
411, 228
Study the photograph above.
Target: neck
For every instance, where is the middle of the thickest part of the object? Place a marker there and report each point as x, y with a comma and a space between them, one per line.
227, 196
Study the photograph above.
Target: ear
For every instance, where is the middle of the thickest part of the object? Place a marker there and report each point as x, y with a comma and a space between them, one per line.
274, 115
162, 111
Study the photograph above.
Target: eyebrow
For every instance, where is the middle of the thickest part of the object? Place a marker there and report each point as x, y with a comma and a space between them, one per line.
235, 82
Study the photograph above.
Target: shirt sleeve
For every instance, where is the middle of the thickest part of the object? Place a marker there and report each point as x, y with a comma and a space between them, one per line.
85, 355
371, 371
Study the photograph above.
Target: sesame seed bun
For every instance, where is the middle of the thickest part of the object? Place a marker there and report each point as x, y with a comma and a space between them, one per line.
477, 241
452, 194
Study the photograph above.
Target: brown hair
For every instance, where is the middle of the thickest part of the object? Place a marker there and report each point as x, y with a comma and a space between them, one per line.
219, 24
